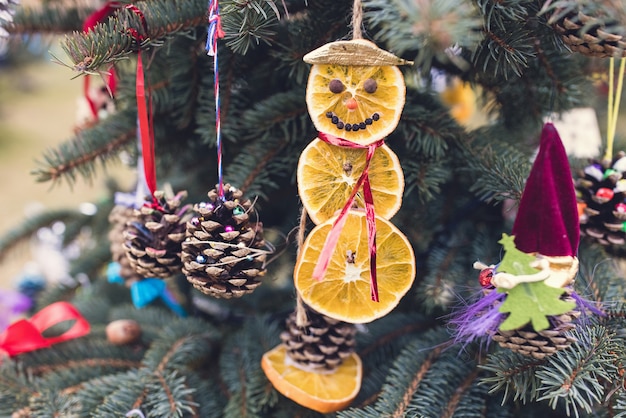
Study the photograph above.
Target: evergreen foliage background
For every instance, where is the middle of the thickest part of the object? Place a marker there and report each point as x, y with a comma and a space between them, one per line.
208, 364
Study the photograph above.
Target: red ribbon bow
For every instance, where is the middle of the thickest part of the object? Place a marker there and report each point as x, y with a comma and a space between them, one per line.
26, 335
333, 235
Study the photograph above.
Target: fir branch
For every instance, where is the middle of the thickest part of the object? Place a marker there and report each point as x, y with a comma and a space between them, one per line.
380, 346
394, 334
16, 388
425, 29
504, 52
80, 154
53, 404
549, 69
262, 163
114, 40
171, 396
497, 12
498, 172
49, 18
121, 397
248, 23
399, 412
181, 343
32, 224
575, 376
404, 377
241, 370
84, 363
269, 156
454, 401
514, 373
94, 391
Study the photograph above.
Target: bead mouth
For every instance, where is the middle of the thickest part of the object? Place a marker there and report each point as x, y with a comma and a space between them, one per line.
348, 127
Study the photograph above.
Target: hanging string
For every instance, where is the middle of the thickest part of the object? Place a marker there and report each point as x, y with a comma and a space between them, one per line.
144, 111
215, 32
300, 311
357, 20
613, 105
333, 236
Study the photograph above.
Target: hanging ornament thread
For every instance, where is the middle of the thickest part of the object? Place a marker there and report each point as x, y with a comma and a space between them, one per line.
216, 32
613, 104
144, 110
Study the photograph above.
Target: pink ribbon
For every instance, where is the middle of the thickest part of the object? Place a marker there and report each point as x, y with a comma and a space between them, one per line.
338, 224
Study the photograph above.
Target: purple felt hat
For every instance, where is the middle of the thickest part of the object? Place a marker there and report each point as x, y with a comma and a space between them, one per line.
547, 219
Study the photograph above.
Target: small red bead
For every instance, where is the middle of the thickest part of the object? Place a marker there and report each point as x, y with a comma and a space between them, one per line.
484, 277
605, 193
621, 207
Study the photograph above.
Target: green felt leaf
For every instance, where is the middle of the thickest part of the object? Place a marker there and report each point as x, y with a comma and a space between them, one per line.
514, 261
532, 303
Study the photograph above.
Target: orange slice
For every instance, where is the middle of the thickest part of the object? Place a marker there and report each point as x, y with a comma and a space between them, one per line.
344, 292
322, 392
327, 174
359, 103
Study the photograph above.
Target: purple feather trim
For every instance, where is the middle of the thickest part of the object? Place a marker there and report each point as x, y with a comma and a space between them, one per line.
585, 307
482, 318
479, 319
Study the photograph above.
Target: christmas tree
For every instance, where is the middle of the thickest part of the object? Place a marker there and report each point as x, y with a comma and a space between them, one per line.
201, 303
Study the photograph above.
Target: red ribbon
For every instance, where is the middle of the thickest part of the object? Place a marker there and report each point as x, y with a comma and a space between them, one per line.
338, 224
26, 335
92, 20
144, 111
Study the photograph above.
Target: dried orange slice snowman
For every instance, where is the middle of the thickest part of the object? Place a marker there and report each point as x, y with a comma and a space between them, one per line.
355, 90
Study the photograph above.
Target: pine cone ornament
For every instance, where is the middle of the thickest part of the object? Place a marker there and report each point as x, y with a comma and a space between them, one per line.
153, 241
119, 217
224, 254
587, 34
321, 343
540, 344
601, 199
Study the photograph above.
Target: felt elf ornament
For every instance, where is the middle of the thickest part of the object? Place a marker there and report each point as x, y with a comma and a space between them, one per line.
529, 301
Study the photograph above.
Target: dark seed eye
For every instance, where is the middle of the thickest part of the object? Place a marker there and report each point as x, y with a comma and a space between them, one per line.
370, 85
336, 86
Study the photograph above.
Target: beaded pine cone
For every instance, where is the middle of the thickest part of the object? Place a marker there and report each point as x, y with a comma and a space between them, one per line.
321, 343
601, 198
588, 35
121, 215
153, 240
540, 344
223, 254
